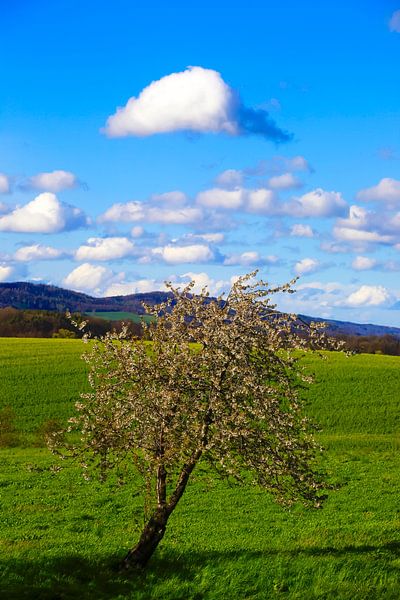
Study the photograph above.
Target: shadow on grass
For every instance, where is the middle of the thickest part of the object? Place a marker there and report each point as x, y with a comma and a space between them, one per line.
76, 577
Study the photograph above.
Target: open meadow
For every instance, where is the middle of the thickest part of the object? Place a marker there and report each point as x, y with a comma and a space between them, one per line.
60, 536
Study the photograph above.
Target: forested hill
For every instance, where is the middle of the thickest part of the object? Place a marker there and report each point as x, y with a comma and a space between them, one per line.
38, 296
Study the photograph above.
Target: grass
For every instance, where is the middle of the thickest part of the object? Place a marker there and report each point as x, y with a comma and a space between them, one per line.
121, 316
61, 537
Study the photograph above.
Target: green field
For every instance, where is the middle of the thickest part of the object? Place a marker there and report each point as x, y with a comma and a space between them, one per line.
60, 536
121, 316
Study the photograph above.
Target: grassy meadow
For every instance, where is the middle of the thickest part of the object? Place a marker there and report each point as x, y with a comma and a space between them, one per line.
61, 537
121, 316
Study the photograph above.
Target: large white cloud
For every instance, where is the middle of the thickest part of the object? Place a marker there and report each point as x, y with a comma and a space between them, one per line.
44, 214
105, 249
53, 181
369, 295
91, 278
196, 99
5, 186
195, 253
387, 190
317, 203
37, 252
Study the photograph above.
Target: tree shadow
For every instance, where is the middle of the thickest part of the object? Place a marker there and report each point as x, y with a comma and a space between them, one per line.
76, 577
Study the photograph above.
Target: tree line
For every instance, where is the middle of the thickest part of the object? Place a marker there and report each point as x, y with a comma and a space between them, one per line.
372, 344
47, 324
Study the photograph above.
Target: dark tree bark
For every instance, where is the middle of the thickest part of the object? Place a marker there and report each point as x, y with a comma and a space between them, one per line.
151, 536
154, 529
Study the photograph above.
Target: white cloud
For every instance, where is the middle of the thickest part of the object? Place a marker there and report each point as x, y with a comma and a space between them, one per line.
127, 212
181, 216
387, 190
306, 265
261, 201
348, 234
297, 163
394, 23
196, 99
284, 182
203, 280
105, 249
140, 286
358, 218
229, 178
140, 211
250, 258
54, 181
363, 263
5, 186
362, 227
6, 271
137, 231
300, 230
194, 253
91, 278
369, 295
317, 203
210, 238
174, 198
219, 198
44, 214
37, 252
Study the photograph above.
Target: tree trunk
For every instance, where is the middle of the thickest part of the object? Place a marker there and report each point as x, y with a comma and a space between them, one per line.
151, 536
155, 528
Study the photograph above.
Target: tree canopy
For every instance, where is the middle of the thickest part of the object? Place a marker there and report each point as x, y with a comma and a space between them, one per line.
219, 381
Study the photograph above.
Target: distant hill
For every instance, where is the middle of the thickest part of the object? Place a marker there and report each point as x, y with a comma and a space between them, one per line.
339, 328
38, 296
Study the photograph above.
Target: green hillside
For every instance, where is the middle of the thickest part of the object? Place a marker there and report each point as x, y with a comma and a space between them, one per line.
60, 536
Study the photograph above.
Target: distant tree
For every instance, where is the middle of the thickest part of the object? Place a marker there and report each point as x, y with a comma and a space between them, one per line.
221, 382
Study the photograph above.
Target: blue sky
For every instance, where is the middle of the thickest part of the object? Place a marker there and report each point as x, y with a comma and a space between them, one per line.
257, 135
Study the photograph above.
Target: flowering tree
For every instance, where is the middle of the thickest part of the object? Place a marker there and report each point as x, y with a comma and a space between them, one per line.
219, 381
